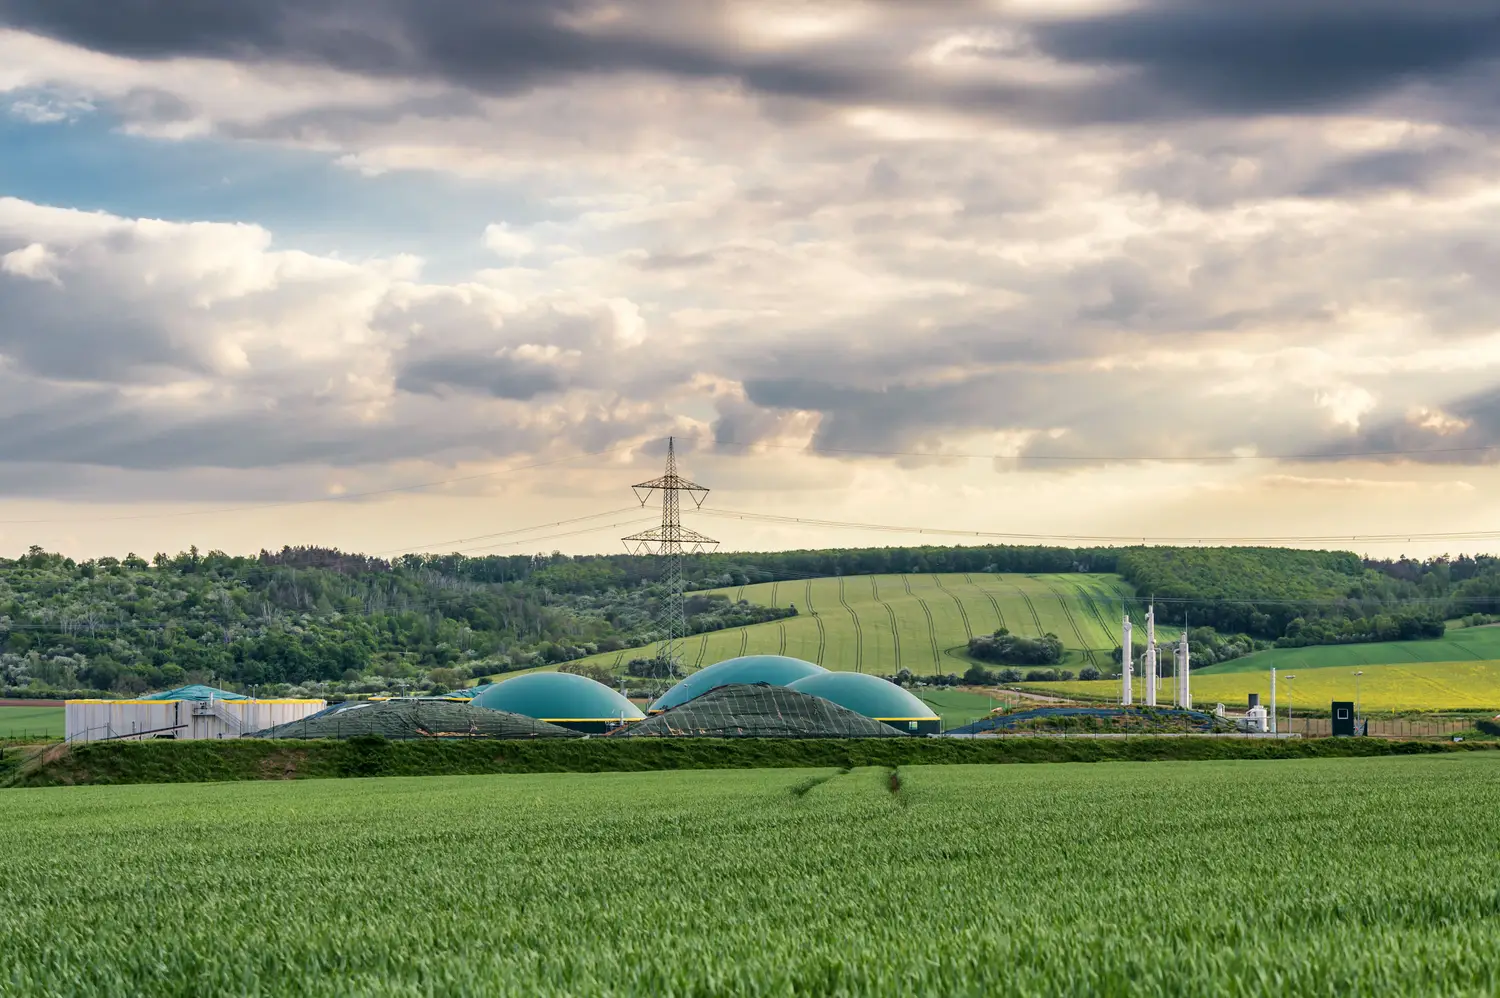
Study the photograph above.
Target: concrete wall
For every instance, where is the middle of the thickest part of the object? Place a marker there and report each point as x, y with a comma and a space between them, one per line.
99, 720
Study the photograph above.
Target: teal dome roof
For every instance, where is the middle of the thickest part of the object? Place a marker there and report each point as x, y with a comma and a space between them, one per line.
558, 696
867, 695
773, 670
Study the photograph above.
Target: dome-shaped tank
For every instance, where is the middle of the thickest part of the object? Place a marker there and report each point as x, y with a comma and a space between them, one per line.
773, 670
872, 697
575, 702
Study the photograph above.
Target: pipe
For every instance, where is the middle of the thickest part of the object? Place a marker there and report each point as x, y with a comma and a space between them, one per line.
1127, 662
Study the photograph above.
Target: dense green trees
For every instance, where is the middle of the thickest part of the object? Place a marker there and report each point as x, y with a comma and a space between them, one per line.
305, 616
1006, 648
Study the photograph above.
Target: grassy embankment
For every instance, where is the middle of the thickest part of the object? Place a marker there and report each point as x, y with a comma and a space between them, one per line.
255, 759
1058, 880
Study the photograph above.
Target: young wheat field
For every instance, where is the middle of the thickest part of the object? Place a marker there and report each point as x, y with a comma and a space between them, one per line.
1312, 877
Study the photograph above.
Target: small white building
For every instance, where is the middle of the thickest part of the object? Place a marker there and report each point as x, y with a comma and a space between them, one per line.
191, 712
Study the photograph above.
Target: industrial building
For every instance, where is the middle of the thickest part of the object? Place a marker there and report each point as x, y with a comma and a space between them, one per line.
190, 712
773, 670
873, 697
561, 698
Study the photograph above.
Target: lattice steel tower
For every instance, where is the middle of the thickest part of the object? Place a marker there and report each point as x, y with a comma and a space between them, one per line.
671, 540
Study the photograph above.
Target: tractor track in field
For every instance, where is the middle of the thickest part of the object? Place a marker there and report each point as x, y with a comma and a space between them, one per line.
891, 615
781, 633
937, 661
702, 651
962, 613
937, 653
968, 578
859, 637
1083, 644
774, 587
822, 633
744, 640
1088, 600
1035, 617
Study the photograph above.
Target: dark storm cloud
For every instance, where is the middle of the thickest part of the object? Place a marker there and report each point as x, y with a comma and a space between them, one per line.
1180, 58
505, 377
1254, 56
1466, 432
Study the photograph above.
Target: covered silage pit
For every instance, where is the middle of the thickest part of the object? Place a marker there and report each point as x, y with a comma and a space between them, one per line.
408, 719
758, 711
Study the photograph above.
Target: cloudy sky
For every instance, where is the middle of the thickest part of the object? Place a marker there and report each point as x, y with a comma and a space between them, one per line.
1156, 268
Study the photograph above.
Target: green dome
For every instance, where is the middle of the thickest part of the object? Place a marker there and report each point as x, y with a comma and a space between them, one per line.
867, 695
558, 696
774, 670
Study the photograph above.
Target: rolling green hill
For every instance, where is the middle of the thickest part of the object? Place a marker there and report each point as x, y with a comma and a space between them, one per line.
921, 622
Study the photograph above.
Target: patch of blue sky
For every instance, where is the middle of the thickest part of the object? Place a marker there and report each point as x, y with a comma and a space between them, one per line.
305, 198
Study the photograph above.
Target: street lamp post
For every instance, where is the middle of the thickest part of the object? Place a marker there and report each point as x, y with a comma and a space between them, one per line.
1361, 672
1289, 704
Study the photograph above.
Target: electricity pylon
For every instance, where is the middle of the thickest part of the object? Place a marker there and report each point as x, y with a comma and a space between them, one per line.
671, 541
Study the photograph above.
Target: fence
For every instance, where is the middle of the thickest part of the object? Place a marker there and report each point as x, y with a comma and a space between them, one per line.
1392, 727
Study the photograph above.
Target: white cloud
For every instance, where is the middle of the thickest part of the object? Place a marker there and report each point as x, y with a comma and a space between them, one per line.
35, 262
501, 239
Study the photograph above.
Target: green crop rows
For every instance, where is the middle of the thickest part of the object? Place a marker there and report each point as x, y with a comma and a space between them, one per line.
884, 623
1369, 876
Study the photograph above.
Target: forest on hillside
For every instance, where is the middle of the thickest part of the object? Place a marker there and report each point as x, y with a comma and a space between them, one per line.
316, 619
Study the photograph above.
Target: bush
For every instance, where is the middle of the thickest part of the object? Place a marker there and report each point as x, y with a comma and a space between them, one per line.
1088, 674
1010, 649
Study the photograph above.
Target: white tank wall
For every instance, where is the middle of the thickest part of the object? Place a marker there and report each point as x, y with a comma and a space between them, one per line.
97, 720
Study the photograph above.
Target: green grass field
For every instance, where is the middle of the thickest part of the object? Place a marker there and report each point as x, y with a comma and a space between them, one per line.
31, 722
1464, 644
1302, 877
1458, 672
1424, 686
883, 623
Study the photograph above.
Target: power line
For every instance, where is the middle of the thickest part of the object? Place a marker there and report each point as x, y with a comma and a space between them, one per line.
1111, 539
1122, 458
418, 548
325, 499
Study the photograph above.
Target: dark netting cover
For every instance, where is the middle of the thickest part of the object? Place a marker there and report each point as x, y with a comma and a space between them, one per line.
758, 711
398, 719
1126, 718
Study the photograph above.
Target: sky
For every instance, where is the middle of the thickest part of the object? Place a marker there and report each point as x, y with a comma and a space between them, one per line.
391, 275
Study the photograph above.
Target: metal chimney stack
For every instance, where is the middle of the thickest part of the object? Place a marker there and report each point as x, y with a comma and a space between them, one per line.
1150, 675
1127, 662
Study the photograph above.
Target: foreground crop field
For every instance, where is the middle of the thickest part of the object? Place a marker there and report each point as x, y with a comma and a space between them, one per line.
1315, 877
1466, 685
31, 722
883, 623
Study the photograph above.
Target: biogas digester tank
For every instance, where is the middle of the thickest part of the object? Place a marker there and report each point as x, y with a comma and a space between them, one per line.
561, 698
773, 670
873, 697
